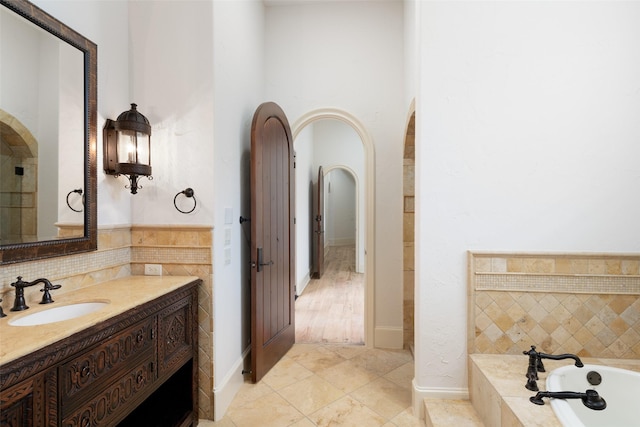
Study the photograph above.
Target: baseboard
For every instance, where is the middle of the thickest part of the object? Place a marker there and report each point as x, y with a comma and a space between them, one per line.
224, 394
421, 393
388, 337
302, 285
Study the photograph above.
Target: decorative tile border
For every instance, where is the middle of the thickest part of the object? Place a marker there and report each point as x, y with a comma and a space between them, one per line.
589, 284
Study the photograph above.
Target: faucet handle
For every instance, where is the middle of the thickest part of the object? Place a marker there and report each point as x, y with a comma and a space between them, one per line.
19, 283
2, 312
46, 297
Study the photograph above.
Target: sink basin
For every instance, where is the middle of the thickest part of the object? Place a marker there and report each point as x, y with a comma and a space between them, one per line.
58, 314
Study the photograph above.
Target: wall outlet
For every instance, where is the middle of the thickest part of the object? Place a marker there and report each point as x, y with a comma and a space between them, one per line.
153, 270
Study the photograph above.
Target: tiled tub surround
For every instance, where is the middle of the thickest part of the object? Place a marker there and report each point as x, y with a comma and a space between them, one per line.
496, 388
562, 303
123, 251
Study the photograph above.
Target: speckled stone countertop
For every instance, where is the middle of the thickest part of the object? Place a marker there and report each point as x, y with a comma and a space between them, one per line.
500, 398
122, 294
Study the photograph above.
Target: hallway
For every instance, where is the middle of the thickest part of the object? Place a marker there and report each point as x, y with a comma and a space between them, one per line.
331, 309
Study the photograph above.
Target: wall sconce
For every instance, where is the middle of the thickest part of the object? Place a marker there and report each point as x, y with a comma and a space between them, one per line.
127, 147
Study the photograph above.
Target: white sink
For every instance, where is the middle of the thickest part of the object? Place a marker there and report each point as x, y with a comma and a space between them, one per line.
58, 314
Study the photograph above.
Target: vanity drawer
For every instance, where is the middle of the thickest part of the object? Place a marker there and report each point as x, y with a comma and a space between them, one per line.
109, 404
76, 377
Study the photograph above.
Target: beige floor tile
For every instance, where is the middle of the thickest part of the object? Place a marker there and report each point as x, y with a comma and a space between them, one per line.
382, 362
286, 372
406, 419
347, 351
249, 392
303, 423
225, 422
301, 348
318, 359
268, 411
346, 412
403, 375
347, 376
384, 397
310, 394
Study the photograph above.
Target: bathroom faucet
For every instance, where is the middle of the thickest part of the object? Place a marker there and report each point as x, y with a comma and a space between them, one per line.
536, 365
20, 304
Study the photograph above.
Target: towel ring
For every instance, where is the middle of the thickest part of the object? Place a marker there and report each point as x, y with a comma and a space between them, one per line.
189, 193
79, 191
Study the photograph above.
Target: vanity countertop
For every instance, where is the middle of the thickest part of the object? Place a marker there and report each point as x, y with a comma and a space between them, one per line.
122, 294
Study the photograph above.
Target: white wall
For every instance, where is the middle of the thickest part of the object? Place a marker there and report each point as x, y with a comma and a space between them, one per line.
238, 90
171, 68
527, 140
341, 200
337, 55
306, 178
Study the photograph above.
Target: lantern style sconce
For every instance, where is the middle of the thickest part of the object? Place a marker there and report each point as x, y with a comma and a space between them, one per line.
127, 147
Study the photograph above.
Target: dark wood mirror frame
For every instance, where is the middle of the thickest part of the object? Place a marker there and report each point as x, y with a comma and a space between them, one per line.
89, 242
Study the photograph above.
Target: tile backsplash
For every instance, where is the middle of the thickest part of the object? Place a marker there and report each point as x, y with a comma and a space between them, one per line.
587, 304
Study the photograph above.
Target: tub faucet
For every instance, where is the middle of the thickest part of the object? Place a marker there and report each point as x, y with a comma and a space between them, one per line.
20, 304
536, 365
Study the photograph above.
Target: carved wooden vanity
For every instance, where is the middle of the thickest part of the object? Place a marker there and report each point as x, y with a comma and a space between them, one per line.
137, 368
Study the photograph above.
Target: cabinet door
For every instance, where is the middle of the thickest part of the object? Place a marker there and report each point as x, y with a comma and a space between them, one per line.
175, 336
30, 403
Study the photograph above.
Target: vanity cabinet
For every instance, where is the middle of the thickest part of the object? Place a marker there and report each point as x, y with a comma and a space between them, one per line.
137, 368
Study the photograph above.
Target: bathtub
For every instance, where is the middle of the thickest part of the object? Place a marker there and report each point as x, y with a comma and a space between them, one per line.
620, 389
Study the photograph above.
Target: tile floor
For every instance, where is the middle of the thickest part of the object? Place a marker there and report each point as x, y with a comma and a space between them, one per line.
328, 385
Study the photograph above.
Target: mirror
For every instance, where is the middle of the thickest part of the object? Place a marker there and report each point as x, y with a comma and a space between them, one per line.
48, 131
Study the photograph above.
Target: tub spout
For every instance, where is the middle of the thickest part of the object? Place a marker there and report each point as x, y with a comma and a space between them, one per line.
576, 359
591, 399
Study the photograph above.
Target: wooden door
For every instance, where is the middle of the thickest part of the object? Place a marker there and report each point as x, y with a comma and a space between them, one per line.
272, 239
319, 226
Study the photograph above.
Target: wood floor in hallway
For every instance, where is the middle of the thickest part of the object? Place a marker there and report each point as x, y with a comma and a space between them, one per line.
331, 309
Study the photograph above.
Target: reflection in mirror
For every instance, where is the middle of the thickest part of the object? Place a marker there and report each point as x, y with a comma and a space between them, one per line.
47, 136
41, 130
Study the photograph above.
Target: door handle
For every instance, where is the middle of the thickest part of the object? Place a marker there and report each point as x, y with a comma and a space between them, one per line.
261, 259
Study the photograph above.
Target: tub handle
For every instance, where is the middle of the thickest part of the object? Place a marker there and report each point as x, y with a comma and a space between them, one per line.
591, 399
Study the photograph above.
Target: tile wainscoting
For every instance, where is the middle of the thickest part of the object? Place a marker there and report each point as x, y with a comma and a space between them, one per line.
586, 304
123, 251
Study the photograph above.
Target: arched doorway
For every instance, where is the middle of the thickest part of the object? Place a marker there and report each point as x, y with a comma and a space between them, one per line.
367, 196
18, 181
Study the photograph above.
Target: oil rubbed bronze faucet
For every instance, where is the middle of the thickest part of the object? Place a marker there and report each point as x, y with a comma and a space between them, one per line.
536, 365
20, 304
